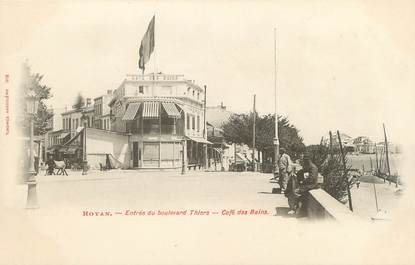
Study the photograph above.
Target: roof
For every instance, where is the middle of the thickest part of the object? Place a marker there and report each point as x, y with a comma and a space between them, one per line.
216, 116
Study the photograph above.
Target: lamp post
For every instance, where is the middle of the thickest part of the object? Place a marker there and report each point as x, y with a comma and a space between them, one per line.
84, 161
31, 107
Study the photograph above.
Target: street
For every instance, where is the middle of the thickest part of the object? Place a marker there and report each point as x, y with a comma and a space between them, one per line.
228, 217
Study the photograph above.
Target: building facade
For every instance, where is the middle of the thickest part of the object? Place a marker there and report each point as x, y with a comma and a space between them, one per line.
162, 115
102, 111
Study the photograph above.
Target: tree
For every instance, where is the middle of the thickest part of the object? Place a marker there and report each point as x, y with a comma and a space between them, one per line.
239, 128
330, 165
32, 82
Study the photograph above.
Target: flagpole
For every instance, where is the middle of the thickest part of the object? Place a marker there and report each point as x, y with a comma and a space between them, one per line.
155, 50
276, 140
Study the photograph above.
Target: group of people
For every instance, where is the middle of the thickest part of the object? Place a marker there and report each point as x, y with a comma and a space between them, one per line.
295, 184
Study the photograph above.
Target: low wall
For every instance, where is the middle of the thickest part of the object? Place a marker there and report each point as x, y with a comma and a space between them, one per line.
100, 142
322, 206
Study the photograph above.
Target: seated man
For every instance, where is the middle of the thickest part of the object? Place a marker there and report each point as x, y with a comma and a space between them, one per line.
308, 179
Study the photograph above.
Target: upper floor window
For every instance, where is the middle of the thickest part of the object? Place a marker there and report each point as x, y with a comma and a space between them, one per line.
141, 89
198, 123
188, 121
198, 94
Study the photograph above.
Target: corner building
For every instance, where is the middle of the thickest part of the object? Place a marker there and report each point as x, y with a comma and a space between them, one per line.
161, 115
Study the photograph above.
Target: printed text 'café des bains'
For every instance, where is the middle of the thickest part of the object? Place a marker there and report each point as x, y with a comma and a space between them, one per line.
144, 123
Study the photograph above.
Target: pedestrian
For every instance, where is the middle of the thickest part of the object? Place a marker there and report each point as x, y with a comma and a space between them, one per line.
292, 192
285, 168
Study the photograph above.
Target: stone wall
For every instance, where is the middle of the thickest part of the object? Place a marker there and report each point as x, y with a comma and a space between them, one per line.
322, 206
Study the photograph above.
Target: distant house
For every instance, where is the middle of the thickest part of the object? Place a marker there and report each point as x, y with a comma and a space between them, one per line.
364, 145
216, 116
347, 141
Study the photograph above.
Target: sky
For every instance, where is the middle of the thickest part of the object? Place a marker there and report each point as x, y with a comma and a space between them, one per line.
341, 65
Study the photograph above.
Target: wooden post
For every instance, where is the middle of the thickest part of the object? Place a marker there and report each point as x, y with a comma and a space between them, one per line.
381, 164
253, 137
387, 157
349, 195
377, 161
331, 144
234, 151
376, 196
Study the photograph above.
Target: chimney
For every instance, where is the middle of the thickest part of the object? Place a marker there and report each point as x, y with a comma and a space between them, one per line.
109, 92
88, 102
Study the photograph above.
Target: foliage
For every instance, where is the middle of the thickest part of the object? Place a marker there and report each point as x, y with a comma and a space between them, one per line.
32, 82
331, 167
239, 129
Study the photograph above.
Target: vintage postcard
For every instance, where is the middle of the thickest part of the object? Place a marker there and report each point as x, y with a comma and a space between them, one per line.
207, 132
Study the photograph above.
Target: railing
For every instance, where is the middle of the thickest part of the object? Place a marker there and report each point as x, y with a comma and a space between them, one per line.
157, 77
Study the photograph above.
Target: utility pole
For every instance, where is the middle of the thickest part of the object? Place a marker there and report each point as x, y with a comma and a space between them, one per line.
253, 138
377, 161
349, 195
205, 149
276, 140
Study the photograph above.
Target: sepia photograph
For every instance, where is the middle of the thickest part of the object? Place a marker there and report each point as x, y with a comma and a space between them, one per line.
207, 132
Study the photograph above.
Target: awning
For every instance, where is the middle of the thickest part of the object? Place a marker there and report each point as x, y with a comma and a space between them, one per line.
75, 136
63, 135
131, 111
198, 139
171, 109
151, 109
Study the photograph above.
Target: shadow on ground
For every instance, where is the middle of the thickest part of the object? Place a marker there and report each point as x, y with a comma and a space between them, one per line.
273, 191
283, 212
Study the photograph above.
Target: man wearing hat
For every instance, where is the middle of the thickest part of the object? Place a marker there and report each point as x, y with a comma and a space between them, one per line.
285, 166
311, 175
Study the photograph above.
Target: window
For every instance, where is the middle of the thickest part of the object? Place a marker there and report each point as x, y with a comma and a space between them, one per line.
193, 93
141, 89
188, 121
105, 124
198, 123
151, 126
198, 94
193, 122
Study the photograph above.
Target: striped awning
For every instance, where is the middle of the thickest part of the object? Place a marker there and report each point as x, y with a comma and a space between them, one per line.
131, 111
171, 109
151, 109
63, 135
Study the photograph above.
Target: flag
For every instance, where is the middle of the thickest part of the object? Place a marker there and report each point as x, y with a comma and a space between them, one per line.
147, 45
